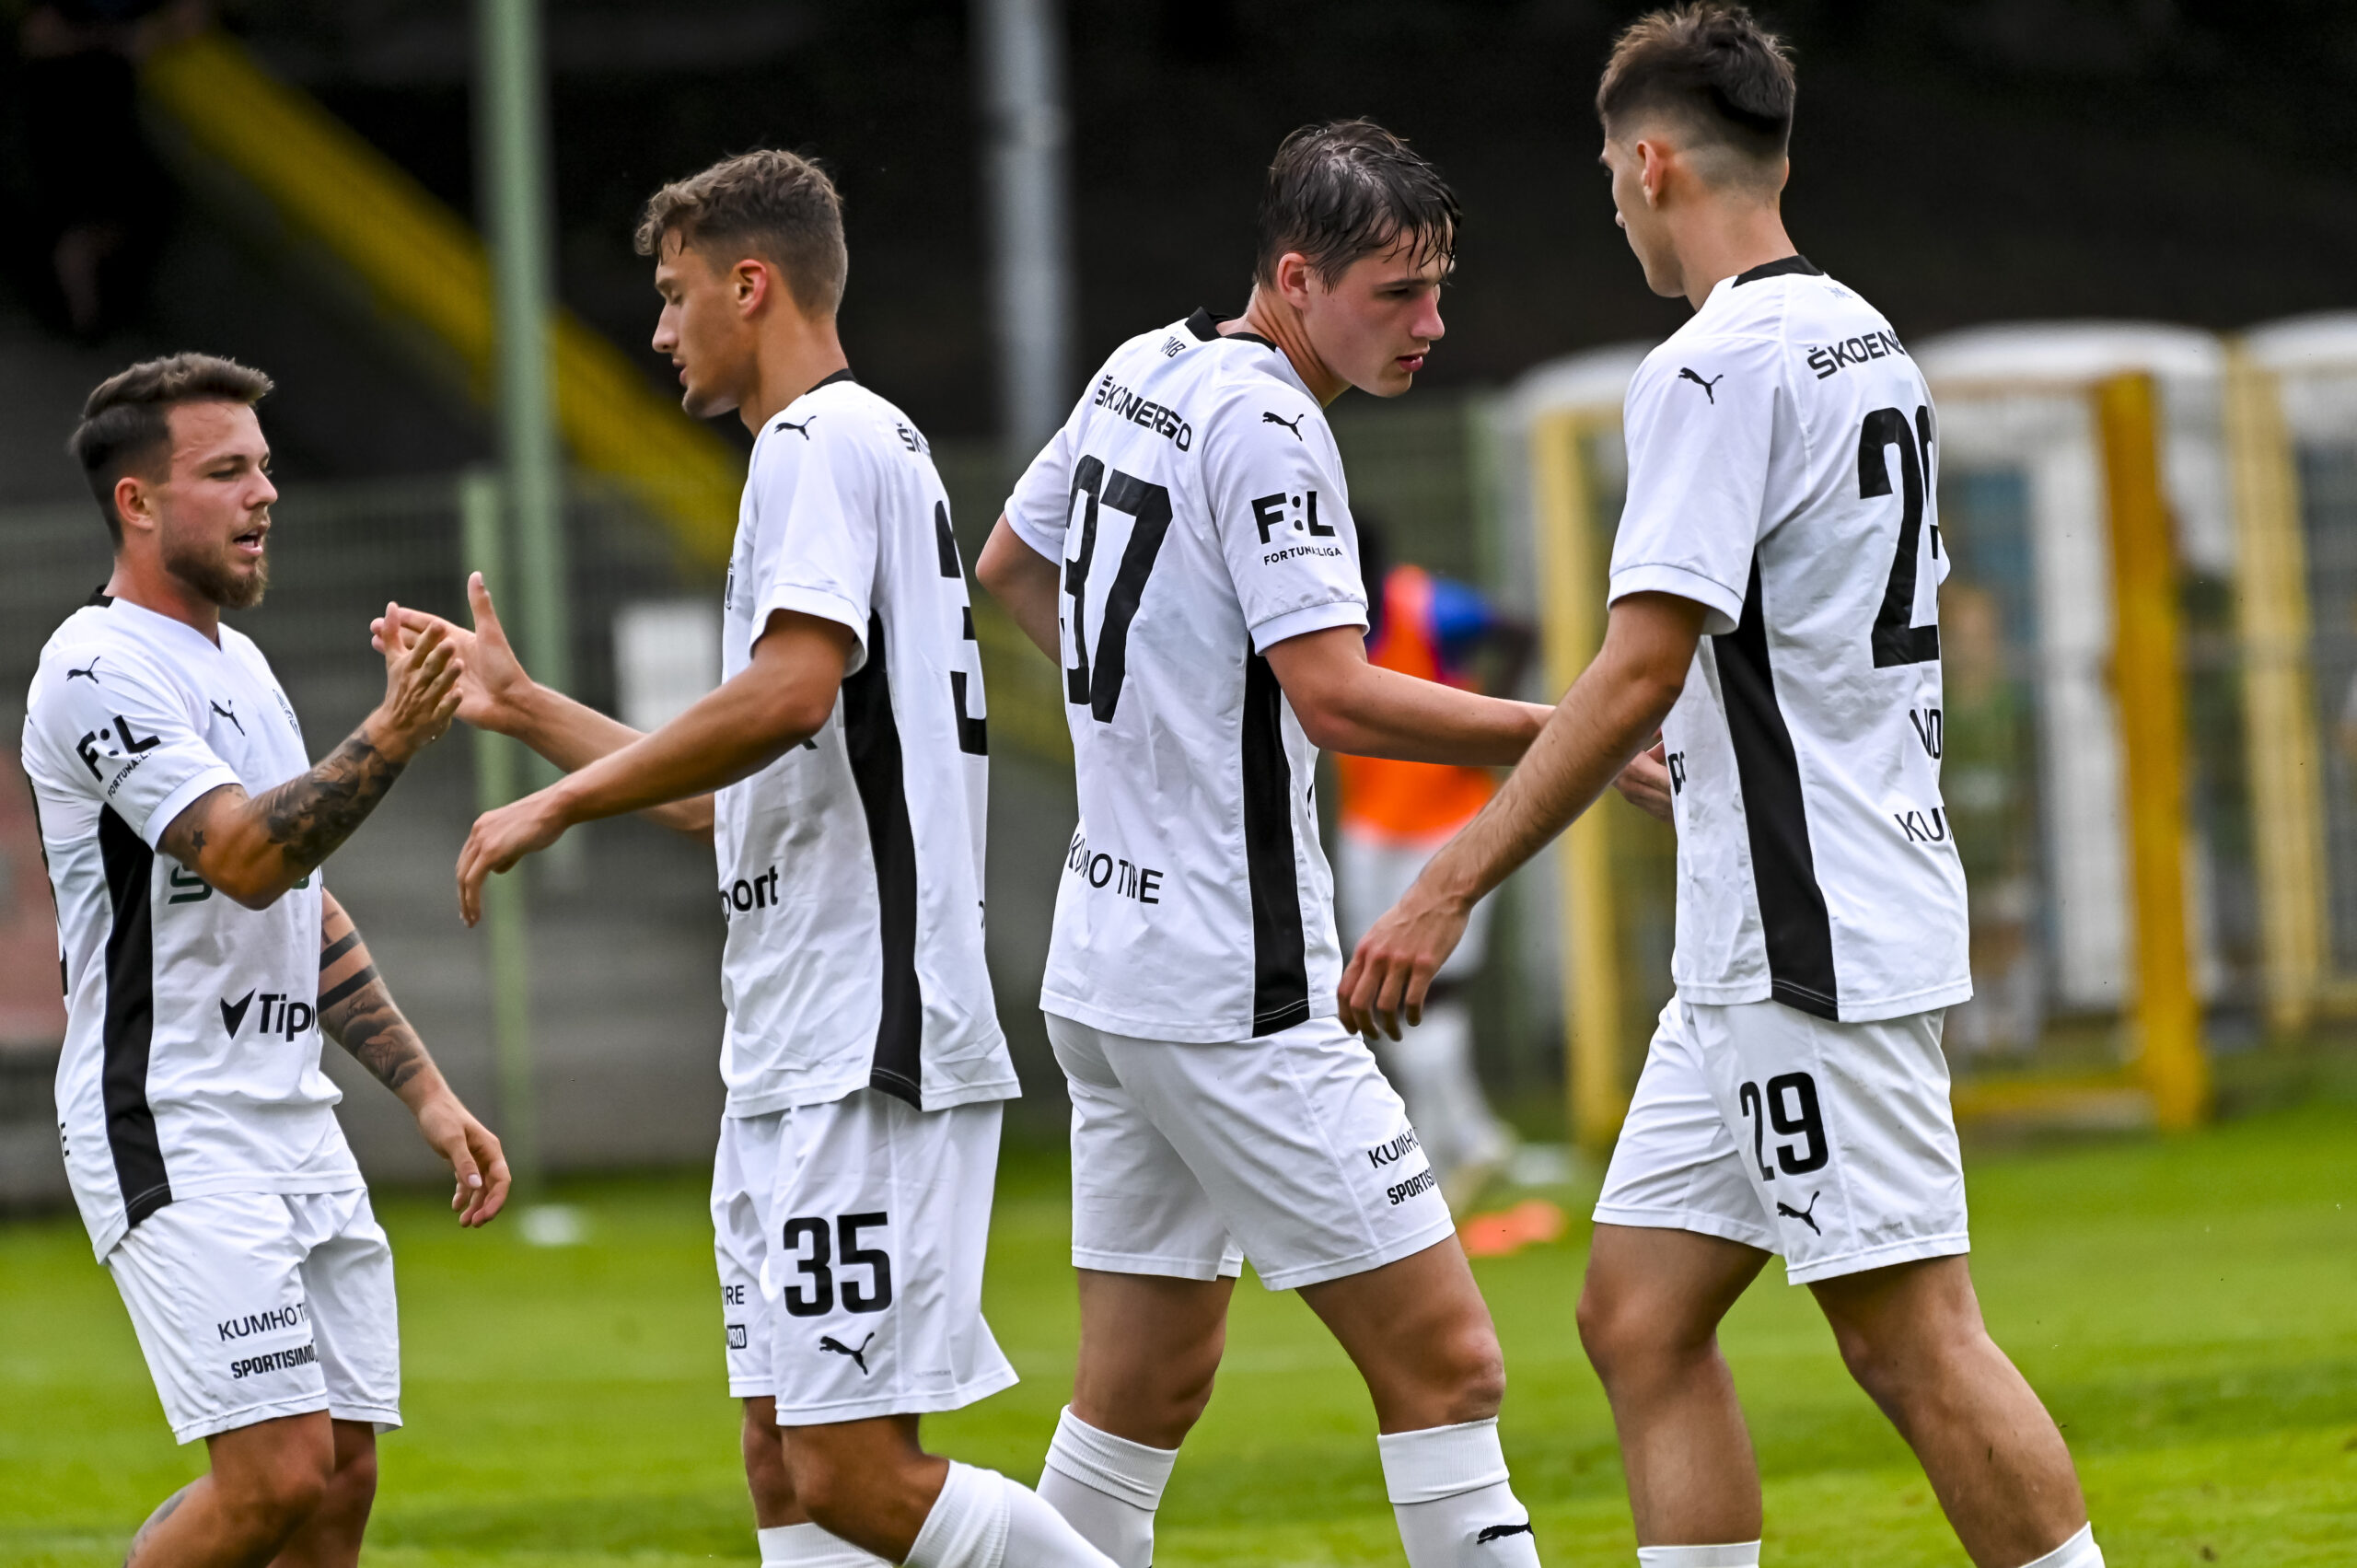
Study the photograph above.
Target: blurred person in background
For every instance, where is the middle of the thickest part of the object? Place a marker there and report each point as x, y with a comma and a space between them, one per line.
1394, 815
101, 202
185, 828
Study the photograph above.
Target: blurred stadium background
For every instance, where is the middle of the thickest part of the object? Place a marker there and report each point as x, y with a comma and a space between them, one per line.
2120, 236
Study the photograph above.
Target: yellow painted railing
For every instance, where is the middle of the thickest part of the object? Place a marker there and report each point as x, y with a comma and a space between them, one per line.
423, 265
1571, 597
2150, 680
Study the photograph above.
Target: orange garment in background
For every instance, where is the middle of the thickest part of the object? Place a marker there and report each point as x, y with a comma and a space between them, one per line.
1409, 802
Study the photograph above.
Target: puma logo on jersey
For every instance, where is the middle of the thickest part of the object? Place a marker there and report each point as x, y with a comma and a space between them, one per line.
833, 1346
1292, 424
230, 714
1500, 1532
802, 429
1685, 375
89, 673
1807, 1216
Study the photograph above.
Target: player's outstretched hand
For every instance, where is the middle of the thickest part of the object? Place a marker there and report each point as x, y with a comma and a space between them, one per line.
493, 685
1395, 961
474, 1155
421, 692
501, 838
1644, 782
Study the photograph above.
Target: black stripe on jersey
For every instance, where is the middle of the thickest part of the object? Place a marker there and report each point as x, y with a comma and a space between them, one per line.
128, 1034
945, 541
1798, 931
873, 737
1280, 954
1790, 265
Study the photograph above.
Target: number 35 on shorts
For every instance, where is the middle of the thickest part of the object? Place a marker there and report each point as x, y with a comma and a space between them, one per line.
820, 1251
1788, 1108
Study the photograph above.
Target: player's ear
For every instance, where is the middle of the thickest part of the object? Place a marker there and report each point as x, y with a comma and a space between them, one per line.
132, 505
750, 281
1293, 279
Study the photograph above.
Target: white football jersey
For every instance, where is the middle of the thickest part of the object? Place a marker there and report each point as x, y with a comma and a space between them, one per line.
851, 868
1781, 473
192, 1059
1195, 499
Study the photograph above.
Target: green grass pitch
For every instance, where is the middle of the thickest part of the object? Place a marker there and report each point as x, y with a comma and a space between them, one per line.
2187, 1306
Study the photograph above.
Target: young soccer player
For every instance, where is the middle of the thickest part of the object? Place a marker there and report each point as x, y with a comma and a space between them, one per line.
1183, 548
185, 828
1774, 614
845, 751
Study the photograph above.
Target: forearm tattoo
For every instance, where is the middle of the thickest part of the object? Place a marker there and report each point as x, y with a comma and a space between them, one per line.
358, 1013
309, 818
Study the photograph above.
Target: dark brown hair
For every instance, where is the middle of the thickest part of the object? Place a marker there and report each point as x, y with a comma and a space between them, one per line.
1726, 77
1348, 189
126, 419
777, 205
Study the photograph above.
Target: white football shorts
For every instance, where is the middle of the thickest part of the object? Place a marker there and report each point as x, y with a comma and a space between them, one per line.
1291, 1149
253, 1306
850, 1237
1833, 1145
1371, 874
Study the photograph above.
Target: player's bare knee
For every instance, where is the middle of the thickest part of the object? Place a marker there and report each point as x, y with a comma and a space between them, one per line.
268, 1503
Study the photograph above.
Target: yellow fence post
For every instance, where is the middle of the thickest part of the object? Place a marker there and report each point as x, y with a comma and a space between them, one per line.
2279, 715
2149, 683
1571, 628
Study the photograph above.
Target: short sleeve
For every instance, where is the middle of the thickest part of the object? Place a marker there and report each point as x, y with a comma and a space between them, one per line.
120, 729
1040, 508
1699, 423
1273, 478
815, 533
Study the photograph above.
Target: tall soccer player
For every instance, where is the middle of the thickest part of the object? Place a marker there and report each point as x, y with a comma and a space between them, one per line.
1774, 615
840, 769
1183, 548
185, 828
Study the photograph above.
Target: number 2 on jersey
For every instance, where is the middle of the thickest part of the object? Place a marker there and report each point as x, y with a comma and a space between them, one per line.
1100, 684
1897, 640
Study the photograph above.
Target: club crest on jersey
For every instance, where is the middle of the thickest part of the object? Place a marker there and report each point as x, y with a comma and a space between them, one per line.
1685, 375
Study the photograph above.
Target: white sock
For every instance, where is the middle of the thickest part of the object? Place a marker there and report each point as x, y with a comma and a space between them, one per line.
807, 1546
2079, 1551
1736, 1554
1107, 1486
967, 1526
1449, 1492
983, 1521
1038, 1537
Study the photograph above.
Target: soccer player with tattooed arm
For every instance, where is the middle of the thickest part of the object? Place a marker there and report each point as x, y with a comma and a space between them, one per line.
185, 828
1775, 616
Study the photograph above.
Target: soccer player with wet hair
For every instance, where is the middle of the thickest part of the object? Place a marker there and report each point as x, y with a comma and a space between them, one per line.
186, 831
1775, 616
1183, 550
